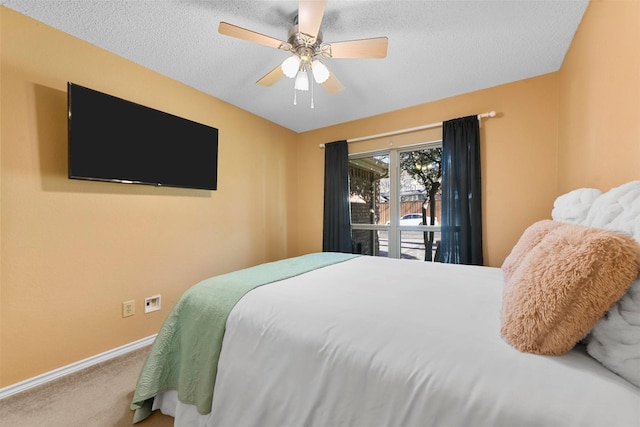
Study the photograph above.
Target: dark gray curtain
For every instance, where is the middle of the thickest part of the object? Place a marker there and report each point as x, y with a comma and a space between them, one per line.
461, 225
336, 232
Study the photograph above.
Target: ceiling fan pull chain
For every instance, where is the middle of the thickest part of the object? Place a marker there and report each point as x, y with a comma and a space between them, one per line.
311, 83
295, 95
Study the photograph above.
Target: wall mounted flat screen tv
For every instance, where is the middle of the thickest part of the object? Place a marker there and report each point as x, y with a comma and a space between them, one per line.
114, 140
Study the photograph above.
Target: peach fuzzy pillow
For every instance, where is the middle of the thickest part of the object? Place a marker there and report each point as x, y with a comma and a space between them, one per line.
531, 237
563, 284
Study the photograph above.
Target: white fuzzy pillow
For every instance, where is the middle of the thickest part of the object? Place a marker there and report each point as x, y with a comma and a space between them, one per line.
574, 206
615, 339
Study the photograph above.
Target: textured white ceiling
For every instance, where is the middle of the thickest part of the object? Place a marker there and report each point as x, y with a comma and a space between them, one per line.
437, 49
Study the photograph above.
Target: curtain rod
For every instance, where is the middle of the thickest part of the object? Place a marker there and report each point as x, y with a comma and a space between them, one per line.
414, 129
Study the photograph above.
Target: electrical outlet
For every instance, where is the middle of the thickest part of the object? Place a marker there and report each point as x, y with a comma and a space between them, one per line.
152, 304
128, 308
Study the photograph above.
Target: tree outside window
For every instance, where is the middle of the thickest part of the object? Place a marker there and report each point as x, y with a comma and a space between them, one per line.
425, 166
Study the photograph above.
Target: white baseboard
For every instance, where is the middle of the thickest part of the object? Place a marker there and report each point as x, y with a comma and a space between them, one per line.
75, 367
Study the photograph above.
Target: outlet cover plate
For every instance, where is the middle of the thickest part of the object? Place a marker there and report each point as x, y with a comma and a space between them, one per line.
128, 308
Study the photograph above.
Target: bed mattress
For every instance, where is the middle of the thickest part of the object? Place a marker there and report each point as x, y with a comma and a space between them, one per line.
386, 342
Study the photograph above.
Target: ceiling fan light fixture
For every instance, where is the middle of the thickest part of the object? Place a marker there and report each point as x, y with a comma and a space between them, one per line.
320, 71
302, 81
290, 66
305, 43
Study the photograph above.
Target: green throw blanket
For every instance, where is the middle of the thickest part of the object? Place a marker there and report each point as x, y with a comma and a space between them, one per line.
184, 356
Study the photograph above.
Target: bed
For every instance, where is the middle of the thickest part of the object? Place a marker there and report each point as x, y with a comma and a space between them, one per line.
344, 340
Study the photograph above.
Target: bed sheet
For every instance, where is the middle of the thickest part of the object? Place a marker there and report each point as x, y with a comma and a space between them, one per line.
385, 342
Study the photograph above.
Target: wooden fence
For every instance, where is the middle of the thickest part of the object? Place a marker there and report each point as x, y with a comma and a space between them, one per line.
405, 208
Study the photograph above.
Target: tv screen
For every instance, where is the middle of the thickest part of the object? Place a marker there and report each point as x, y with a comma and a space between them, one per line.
114, 140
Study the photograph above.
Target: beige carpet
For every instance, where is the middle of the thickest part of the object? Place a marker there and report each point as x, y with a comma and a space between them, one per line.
95, 397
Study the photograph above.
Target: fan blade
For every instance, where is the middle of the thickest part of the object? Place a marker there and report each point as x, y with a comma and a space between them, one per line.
365, 48
271, 77
332, 85
244, 34
310, 13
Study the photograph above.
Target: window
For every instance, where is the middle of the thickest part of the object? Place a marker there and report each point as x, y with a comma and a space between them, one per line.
395, 201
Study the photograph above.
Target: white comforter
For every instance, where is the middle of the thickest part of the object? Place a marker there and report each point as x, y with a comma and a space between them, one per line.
384, 342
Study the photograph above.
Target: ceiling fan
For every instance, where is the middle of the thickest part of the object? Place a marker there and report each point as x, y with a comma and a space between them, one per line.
305, 44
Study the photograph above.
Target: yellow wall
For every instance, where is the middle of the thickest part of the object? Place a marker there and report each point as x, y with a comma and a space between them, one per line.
72, 251
599, 125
